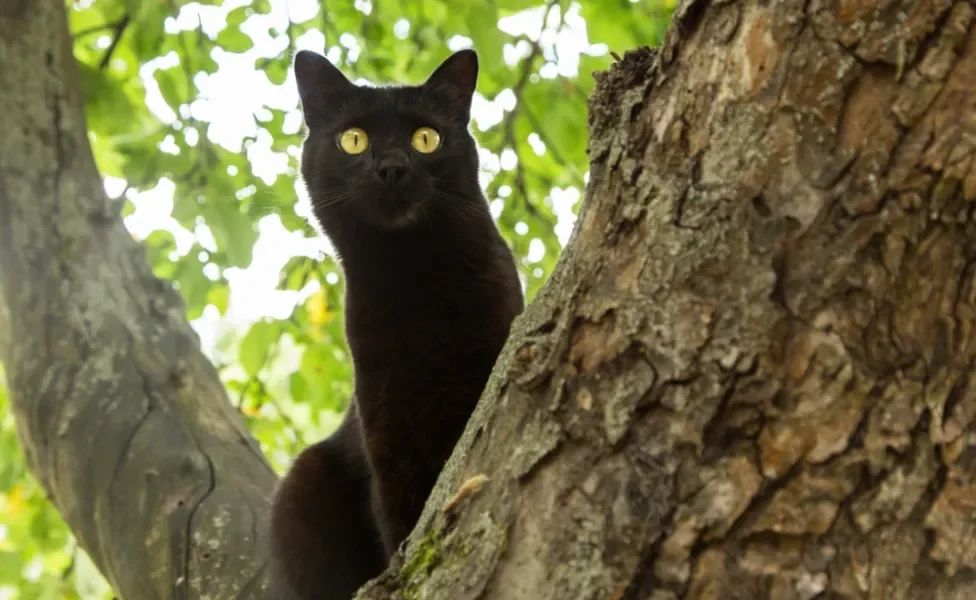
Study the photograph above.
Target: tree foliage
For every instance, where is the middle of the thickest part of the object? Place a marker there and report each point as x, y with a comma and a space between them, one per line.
193, 119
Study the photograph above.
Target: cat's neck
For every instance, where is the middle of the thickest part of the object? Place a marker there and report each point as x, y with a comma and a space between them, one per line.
445, 245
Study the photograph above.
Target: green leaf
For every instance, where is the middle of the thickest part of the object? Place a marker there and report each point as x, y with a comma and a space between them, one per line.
276, 71
105, 101
297, 387
194, 285
11, 566
174, 87
232, 39
233, 231
296, 273
218, 296
46, 528
255, 345
160, 244
482, 20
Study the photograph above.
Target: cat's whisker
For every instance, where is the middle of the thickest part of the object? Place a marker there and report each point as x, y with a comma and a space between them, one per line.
328, 199
463, 207
425, 211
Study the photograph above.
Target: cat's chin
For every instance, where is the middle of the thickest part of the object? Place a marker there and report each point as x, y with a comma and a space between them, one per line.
398, 213
408, 216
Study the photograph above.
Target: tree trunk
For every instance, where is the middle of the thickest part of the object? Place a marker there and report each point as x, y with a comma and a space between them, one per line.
747, 378
123, 419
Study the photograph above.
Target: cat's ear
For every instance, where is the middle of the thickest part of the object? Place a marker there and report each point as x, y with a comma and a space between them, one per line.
457, 77
320, 83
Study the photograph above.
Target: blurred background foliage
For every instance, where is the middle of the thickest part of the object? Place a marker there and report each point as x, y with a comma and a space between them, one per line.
194, 122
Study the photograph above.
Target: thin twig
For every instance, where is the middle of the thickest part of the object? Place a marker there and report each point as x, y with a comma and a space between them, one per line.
68, 570
98, 28
118, 30
551, 147
283, 414
329, 27
518, 89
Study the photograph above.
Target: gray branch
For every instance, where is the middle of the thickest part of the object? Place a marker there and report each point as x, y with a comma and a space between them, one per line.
122, 418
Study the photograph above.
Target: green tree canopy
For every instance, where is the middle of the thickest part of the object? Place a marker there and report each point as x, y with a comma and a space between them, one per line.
194, 121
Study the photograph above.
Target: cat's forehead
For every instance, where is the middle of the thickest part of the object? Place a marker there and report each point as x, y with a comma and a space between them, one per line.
398, 96
395, 104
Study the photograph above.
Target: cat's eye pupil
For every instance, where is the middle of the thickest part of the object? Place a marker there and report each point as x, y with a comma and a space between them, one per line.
426, 140
353, 141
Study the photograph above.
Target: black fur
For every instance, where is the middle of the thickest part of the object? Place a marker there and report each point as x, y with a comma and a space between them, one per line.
431, 292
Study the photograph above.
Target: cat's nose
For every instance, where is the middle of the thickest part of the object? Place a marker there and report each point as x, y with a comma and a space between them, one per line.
393, 167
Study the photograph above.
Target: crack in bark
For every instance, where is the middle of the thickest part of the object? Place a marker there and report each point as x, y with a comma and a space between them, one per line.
212, 485
121, 459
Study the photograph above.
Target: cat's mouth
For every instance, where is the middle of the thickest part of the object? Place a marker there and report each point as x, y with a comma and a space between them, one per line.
398, 204
399, 211
408, 217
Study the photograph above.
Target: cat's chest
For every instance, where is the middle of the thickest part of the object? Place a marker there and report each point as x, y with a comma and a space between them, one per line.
412, 339
429, 326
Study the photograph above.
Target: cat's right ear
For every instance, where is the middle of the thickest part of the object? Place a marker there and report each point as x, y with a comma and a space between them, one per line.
457, 77
320, 83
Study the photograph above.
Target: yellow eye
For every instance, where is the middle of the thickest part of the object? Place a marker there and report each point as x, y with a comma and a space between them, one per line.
426, 140
353, 141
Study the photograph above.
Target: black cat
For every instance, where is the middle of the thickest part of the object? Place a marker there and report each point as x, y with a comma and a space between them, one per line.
431, 292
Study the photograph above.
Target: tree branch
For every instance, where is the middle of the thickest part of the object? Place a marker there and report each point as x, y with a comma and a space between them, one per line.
528, 67
122, 418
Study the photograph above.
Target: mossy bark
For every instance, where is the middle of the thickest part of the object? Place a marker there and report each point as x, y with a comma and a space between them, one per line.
122, 418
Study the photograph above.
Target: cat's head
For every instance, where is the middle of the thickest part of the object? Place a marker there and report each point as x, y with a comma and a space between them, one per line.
388, 157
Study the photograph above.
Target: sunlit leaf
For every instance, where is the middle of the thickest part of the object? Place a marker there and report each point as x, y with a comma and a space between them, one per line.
255, 346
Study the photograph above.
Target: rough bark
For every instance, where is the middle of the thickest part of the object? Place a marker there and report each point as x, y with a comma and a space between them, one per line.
749, 376
123, 419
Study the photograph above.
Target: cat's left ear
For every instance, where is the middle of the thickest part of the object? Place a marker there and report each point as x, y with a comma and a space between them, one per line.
457, 77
